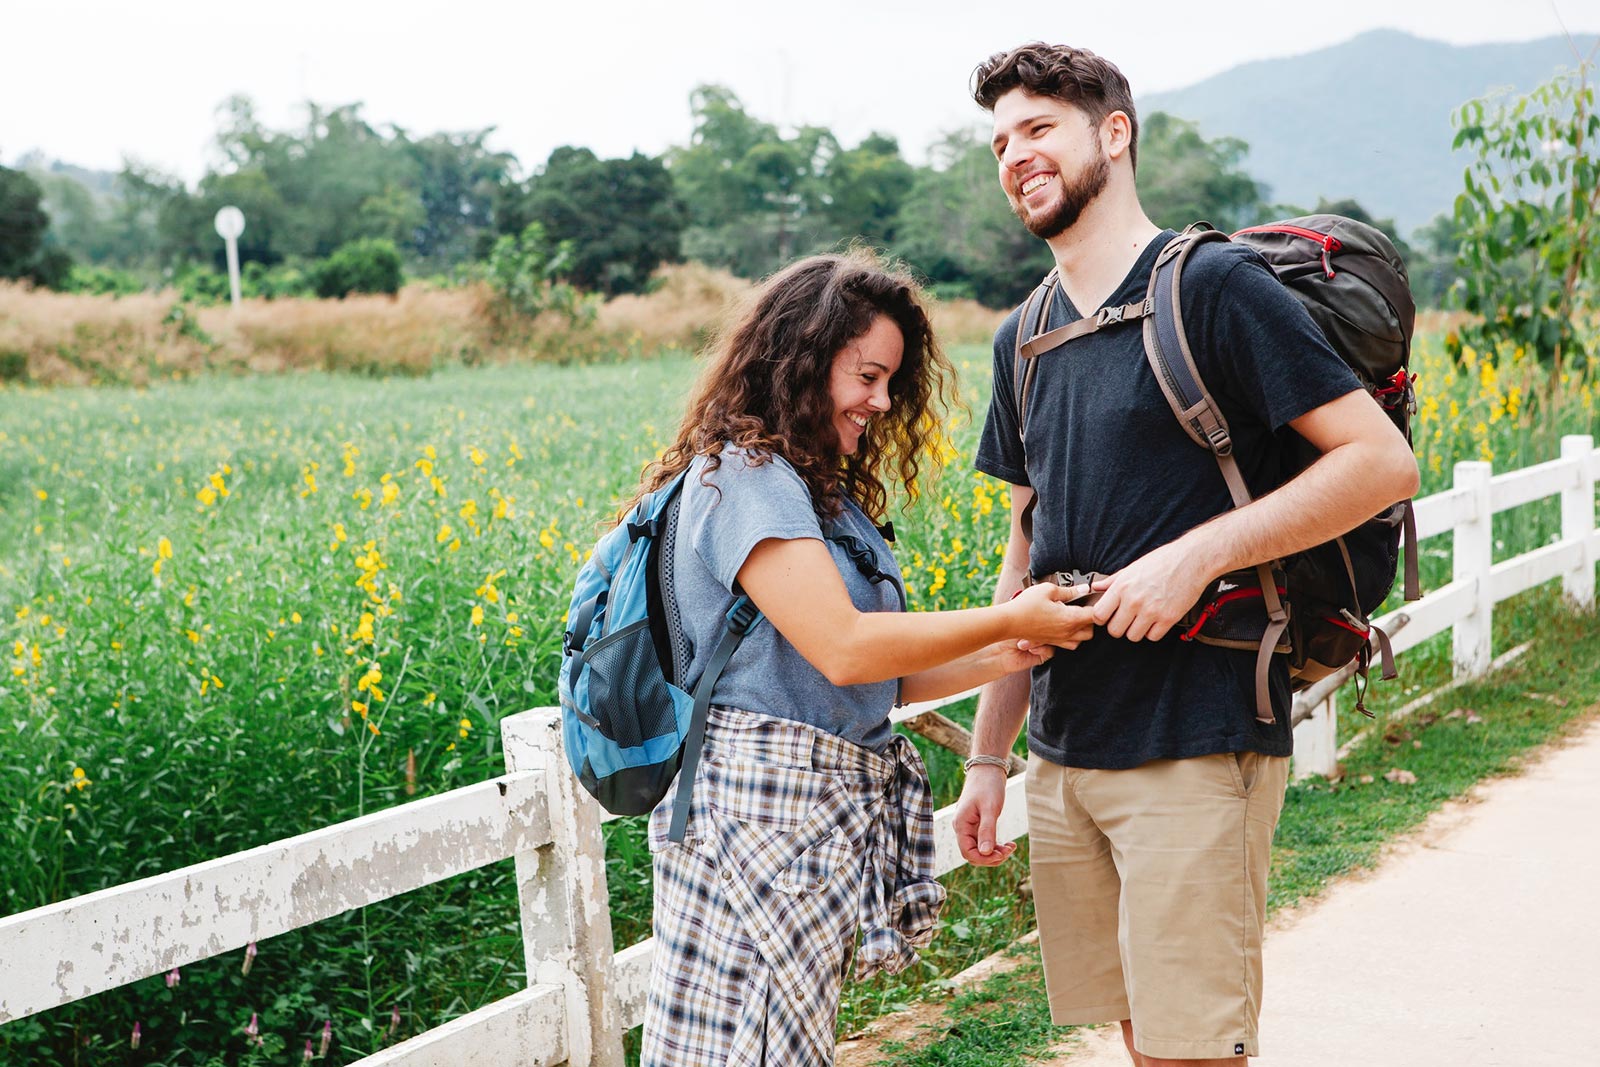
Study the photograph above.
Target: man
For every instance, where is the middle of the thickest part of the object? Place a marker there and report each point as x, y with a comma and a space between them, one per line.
1153, 789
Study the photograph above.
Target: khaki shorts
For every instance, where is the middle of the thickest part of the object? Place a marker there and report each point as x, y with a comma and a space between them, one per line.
1150, 886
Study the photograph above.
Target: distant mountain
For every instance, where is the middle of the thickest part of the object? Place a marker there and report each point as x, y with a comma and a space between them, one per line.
100, 182
1369, 118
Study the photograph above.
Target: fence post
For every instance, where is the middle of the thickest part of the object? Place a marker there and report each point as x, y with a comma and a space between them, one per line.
1473, 557
1577, 518
561, 888
1316, 740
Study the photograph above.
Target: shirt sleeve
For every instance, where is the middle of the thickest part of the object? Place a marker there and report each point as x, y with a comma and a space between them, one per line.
743, 504
1000, 451
1275, 362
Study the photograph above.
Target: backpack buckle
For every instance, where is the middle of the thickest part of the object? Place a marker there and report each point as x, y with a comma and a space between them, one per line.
1221, 443
1108, 316
742, 616
637, 530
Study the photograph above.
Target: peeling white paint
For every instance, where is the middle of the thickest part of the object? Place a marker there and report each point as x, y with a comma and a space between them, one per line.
103, 940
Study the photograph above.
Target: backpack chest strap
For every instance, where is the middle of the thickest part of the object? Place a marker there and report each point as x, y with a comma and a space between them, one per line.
1106, 316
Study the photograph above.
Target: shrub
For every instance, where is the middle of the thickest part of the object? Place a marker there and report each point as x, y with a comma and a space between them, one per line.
370, 265
99, 280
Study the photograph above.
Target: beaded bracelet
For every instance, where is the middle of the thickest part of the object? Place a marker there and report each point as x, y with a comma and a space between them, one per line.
1003, 762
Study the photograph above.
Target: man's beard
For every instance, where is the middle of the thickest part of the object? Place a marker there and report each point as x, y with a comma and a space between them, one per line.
1075, 196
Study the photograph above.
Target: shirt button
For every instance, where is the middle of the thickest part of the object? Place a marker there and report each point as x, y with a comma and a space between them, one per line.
727, 874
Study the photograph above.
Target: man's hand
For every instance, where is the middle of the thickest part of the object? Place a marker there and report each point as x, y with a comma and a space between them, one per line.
982, 798
1146, 598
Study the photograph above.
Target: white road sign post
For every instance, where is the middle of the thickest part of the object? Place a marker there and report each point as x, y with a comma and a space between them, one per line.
230, 224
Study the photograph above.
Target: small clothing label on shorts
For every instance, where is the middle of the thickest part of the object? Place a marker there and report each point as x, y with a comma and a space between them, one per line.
1238, 1050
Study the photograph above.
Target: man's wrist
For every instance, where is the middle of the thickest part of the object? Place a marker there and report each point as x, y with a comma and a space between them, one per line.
1003, 763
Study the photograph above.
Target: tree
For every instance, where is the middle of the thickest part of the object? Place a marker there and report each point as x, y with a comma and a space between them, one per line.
864, 188
1529, 252
23, 223
1183, 177
620, 217
459, 187
755, 198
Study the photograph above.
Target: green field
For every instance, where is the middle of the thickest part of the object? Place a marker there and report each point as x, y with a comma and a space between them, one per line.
237, 609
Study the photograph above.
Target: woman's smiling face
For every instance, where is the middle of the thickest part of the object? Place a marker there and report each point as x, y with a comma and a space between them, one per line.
859, 383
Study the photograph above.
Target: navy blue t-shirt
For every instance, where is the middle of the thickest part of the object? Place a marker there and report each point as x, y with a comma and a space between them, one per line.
1116, 477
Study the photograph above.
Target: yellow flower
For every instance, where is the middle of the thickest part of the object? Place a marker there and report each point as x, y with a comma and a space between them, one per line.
359, 708
338, 533
163, 549
294, 616
391, 493
80, 778
466, 724
41, 494
444, 534
208, 496
19, 649
428, 700
477, 615
374, 728
216, 681
191, 635
477, 456
546, 540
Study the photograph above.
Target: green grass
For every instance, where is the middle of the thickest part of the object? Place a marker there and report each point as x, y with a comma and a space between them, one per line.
187, 672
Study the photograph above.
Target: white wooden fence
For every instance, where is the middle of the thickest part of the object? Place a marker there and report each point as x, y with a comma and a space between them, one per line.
581, 996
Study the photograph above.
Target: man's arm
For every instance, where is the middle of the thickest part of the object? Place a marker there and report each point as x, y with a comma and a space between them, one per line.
1002, 709
1364, 468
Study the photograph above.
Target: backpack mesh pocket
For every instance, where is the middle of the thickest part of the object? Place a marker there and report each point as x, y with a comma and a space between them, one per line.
626, 689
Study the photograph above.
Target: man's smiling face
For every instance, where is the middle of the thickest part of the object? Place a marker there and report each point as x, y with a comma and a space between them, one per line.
1052, 165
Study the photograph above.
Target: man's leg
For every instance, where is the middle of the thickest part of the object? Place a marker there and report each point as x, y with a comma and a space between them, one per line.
1191, 841
1075, 896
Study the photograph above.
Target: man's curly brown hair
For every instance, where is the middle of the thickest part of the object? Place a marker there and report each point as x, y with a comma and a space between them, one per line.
764, 386
1072, 75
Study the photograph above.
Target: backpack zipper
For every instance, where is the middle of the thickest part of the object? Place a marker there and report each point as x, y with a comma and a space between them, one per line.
1330, 244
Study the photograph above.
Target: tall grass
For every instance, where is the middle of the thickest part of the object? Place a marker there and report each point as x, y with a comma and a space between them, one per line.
82, 339
235, 609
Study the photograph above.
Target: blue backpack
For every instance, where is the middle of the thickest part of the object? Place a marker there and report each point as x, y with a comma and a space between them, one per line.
628, 723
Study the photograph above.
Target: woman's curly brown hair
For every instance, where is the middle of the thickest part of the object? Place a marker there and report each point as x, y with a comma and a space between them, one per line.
764, 386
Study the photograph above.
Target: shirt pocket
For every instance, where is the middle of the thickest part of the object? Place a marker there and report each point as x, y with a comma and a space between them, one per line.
768, 795
815, 867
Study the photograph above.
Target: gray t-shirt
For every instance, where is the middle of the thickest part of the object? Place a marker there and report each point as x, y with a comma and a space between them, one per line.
718, 524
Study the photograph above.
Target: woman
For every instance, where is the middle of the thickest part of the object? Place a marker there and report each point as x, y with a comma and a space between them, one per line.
809, 817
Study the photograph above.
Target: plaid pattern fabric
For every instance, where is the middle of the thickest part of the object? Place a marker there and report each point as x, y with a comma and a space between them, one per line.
796, 838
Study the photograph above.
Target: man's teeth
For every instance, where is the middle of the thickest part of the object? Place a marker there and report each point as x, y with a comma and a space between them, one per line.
1035, 182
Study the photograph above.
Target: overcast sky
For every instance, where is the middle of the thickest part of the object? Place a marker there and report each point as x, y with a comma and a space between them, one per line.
90, 81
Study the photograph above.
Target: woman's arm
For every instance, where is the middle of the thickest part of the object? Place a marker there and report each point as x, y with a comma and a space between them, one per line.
797, 586
978, 668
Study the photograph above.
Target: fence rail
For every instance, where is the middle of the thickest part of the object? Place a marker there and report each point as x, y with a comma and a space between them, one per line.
581, 996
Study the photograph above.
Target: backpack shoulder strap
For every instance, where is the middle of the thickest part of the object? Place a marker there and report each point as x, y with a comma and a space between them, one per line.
1166, 346
1035, 313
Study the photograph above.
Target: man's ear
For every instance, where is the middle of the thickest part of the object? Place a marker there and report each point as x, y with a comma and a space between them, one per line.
1116, 134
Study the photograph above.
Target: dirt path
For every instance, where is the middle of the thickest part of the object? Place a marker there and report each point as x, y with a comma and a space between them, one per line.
1475, 943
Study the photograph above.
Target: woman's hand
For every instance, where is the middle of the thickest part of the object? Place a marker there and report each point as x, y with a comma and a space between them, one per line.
1044, 615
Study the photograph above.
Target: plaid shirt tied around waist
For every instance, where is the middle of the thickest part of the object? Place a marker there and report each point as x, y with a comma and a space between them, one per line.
796, 840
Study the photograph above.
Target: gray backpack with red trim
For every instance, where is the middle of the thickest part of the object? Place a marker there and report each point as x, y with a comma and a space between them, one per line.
1315, 606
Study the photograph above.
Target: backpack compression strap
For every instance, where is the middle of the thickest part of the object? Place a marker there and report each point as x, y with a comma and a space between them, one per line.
1166, 346
741, 619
